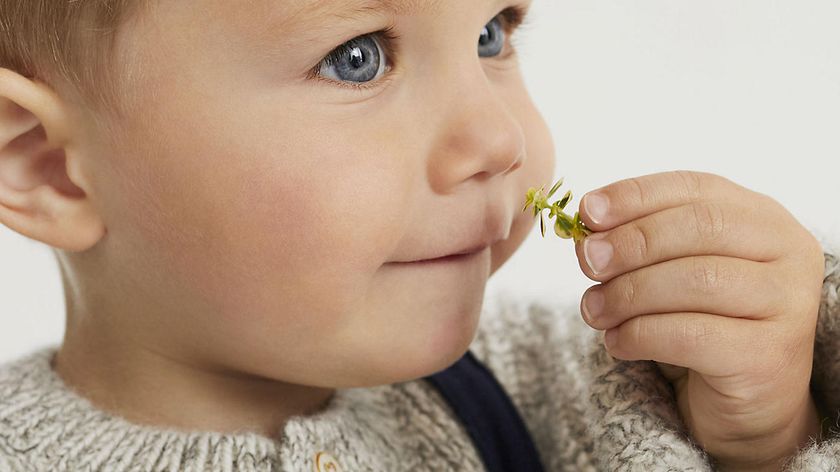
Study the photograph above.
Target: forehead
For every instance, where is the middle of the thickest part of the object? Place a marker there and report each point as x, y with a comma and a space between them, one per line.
290, 15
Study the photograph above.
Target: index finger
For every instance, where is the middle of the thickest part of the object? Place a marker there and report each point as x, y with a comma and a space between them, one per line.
629, 199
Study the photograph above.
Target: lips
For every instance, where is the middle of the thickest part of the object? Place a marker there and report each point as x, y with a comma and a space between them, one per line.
454, 236
468, 248
471, 249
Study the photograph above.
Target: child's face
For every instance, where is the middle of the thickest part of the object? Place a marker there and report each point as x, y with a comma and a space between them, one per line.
259, 213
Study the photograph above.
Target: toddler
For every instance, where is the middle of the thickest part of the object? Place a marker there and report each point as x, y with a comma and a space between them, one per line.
275, 221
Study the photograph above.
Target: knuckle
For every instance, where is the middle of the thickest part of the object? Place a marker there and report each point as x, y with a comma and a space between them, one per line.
628, 290
815, 273
809, 262
709, 220
798, 339
696, 334
784, 299
707, 276
635, 243
692, 182
815, 250
637, 189
634, 335
787, 352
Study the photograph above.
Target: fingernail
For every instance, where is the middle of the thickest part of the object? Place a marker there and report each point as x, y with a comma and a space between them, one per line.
593, 304
596, 205
598, 253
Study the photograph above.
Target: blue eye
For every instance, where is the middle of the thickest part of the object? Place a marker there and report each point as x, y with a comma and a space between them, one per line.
358, 60
492, 39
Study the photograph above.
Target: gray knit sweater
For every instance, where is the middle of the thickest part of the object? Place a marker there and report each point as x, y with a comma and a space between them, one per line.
585, 410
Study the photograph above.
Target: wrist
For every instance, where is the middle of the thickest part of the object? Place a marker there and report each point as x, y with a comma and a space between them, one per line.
771, 452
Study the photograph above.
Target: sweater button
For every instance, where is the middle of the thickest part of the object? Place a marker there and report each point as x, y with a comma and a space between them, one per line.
324, 462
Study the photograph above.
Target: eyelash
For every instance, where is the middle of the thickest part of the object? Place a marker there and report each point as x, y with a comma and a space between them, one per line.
513, 18
388, 40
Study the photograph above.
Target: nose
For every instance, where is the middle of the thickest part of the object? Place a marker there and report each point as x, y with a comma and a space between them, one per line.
479, 136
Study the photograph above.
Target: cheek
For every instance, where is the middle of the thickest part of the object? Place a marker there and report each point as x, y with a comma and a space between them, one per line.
258, 224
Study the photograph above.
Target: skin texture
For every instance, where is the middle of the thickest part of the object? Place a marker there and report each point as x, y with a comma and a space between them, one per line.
233, 236
720, 285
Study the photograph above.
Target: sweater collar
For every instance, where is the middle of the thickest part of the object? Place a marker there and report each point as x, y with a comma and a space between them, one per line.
44, 422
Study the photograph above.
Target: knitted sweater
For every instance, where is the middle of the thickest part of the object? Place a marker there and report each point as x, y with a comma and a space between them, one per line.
585, 410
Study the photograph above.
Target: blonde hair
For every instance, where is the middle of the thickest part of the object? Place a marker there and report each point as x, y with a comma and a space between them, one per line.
65, 43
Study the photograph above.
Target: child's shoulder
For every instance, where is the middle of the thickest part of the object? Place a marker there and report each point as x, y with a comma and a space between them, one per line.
25, 373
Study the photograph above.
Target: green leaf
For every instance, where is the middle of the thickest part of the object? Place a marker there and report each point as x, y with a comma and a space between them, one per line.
565, 200
527, 204
529, 198
561, 231
556, 186
565, 222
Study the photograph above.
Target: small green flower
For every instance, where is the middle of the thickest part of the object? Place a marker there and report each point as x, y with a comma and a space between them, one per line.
565, 226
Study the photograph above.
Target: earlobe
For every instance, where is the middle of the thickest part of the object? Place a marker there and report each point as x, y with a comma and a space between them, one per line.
41, 193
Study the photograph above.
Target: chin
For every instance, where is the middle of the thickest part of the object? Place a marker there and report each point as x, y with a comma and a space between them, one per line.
416, 355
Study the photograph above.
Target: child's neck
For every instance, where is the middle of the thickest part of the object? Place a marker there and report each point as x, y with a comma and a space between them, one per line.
149, 387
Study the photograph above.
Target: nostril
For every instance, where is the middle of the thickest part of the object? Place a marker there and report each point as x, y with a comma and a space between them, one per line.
515, 165
482, 176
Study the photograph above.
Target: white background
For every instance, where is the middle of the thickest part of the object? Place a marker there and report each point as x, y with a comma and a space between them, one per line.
747, 89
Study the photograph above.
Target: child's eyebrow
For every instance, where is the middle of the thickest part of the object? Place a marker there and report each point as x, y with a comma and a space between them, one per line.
288, 21
321, 10
270, 23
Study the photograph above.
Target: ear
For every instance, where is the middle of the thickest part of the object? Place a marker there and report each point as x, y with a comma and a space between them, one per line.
42, 192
